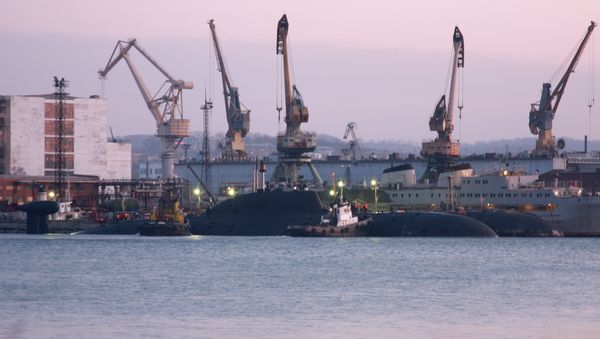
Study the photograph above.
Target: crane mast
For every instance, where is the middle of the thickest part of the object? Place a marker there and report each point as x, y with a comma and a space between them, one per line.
293, 143
353, 142
238, 118
542, 112
442, 120
166, 106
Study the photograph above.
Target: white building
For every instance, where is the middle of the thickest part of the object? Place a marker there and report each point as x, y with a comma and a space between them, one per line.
28, 138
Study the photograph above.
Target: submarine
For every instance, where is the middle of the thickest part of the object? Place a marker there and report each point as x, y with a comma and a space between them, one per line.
269, 213
259, 213
512, 223
428, 224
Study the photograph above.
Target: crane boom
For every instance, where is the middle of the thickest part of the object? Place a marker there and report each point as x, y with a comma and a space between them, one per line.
442, 119
121, 51
225, 78
459, 62
295, 111
542, 113
282, 49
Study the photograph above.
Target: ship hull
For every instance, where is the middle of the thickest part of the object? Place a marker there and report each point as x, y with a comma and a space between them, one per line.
574, 217
164, 229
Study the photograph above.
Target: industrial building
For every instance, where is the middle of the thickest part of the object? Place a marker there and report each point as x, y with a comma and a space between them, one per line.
17, 190
28, 138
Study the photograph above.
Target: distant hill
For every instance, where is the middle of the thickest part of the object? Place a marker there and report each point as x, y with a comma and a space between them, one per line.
262, 145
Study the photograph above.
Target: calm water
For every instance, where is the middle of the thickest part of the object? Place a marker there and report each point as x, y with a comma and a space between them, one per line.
127, 286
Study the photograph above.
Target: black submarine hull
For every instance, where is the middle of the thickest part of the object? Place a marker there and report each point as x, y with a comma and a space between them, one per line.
427, 224
511, 223
260, 213
123, 227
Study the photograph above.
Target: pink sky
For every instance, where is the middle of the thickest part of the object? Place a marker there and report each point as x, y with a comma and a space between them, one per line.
508, 27
511, 48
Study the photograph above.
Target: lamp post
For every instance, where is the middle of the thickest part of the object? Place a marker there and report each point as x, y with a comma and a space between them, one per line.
375, 186
197, 193
341, 186
51, 195
231, 192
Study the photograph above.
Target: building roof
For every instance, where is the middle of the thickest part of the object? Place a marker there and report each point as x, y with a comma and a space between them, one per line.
49, 178
52, 96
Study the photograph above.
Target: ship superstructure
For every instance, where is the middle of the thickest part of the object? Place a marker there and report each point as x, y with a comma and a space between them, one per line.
565, 205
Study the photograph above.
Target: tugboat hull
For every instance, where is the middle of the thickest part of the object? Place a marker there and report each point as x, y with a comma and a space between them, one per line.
164, 229
359, 229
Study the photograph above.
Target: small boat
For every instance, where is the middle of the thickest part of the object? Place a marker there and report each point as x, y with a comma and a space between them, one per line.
164, 229
168, 219
340, 222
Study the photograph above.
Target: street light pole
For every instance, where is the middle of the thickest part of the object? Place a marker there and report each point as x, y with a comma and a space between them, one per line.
197, 193
375, 186
341, 186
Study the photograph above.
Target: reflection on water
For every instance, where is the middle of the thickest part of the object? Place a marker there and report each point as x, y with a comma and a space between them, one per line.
128, 286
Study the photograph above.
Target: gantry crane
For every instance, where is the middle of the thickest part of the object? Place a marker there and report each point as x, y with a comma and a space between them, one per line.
542, 112
353, 142
238, 117
293, 143
166, 106
443, 147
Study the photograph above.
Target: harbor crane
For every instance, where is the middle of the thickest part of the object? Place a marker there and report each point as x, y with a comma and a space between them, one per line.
165, 106
353, 142
293, 143
542, 112
443, 147
238, 117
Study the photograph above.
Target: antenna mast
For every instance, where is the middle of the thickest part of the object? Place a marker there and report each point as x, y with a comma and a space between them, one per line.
206, 161
60, 163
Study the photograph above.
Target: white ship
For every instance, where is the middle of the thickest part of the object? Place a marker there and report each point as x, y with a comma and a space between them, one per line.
565, 205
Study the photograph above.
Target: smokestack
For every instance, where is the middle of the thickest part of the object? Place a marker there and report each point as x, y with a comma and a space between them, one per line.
262, 168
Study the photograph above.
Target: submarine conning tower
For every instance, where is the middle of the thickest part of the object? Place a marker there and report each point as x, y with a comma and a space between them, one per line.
37, 215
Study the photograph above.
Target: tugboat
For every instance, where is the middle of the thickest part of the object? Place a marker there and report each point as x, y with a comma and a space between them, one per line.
168, 220
340, 222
